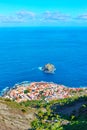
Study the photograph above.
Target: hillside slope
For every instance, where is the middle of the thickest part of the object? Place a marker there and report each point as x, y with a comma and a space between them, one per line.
15, 117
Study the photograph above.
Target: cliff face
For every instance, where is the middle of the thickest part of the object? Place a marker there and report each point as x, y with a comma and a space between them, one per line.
14, 117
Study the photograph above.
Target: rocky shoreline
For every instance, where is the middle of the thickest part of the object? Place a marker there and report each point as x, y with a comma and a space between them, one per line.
42, 91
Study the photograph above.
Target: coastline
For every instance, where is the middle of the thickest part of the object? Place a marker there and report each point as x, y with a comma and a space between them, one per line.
41, 90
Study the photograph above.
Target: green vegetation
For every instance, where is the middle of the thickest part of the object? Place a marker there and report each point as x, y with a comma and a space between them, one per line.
33, 103
26, 91
13, 104
60, 102
53, 115
49, 120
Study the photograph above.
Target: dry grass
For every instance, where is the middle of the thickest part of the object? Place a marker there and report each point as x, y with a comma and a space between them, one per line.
15, 117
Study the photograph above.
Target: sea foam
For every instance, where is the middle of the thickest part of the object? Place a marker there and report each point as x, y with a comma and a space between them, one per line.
40, 68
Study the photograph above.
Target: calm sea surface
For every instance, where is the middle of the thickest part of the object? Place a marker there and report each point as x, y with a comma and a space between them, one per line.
24, 50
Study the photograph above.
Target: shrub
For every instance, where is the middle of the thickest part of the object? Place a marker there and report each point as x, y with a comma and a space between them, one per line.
26, 91
23, 110
8, 99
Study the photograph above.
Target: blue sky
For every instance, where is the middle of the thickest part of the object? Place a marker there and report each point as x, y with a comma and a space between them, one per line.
43, 12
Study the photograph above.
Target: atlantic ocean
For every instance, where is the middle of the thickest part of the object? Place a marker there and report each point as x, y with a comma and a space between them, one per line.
23, 50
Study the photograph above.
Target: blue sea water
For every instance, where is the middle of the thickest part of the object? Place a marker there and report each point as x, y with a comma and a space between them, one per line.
24, 50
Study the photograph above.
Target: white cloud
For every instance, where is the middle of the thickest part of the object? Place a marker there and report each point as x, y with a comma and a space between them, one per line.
25, 15
10, 19
47, 17
19, 17
82, 17
55, 16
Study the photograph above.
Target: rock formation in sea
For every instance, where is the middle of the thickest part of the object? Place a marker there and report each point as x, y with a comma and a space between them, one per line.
48, 68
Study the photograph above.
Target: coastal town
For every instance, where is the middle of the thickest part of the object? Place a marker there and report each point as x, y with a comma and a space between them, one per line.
42, 90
